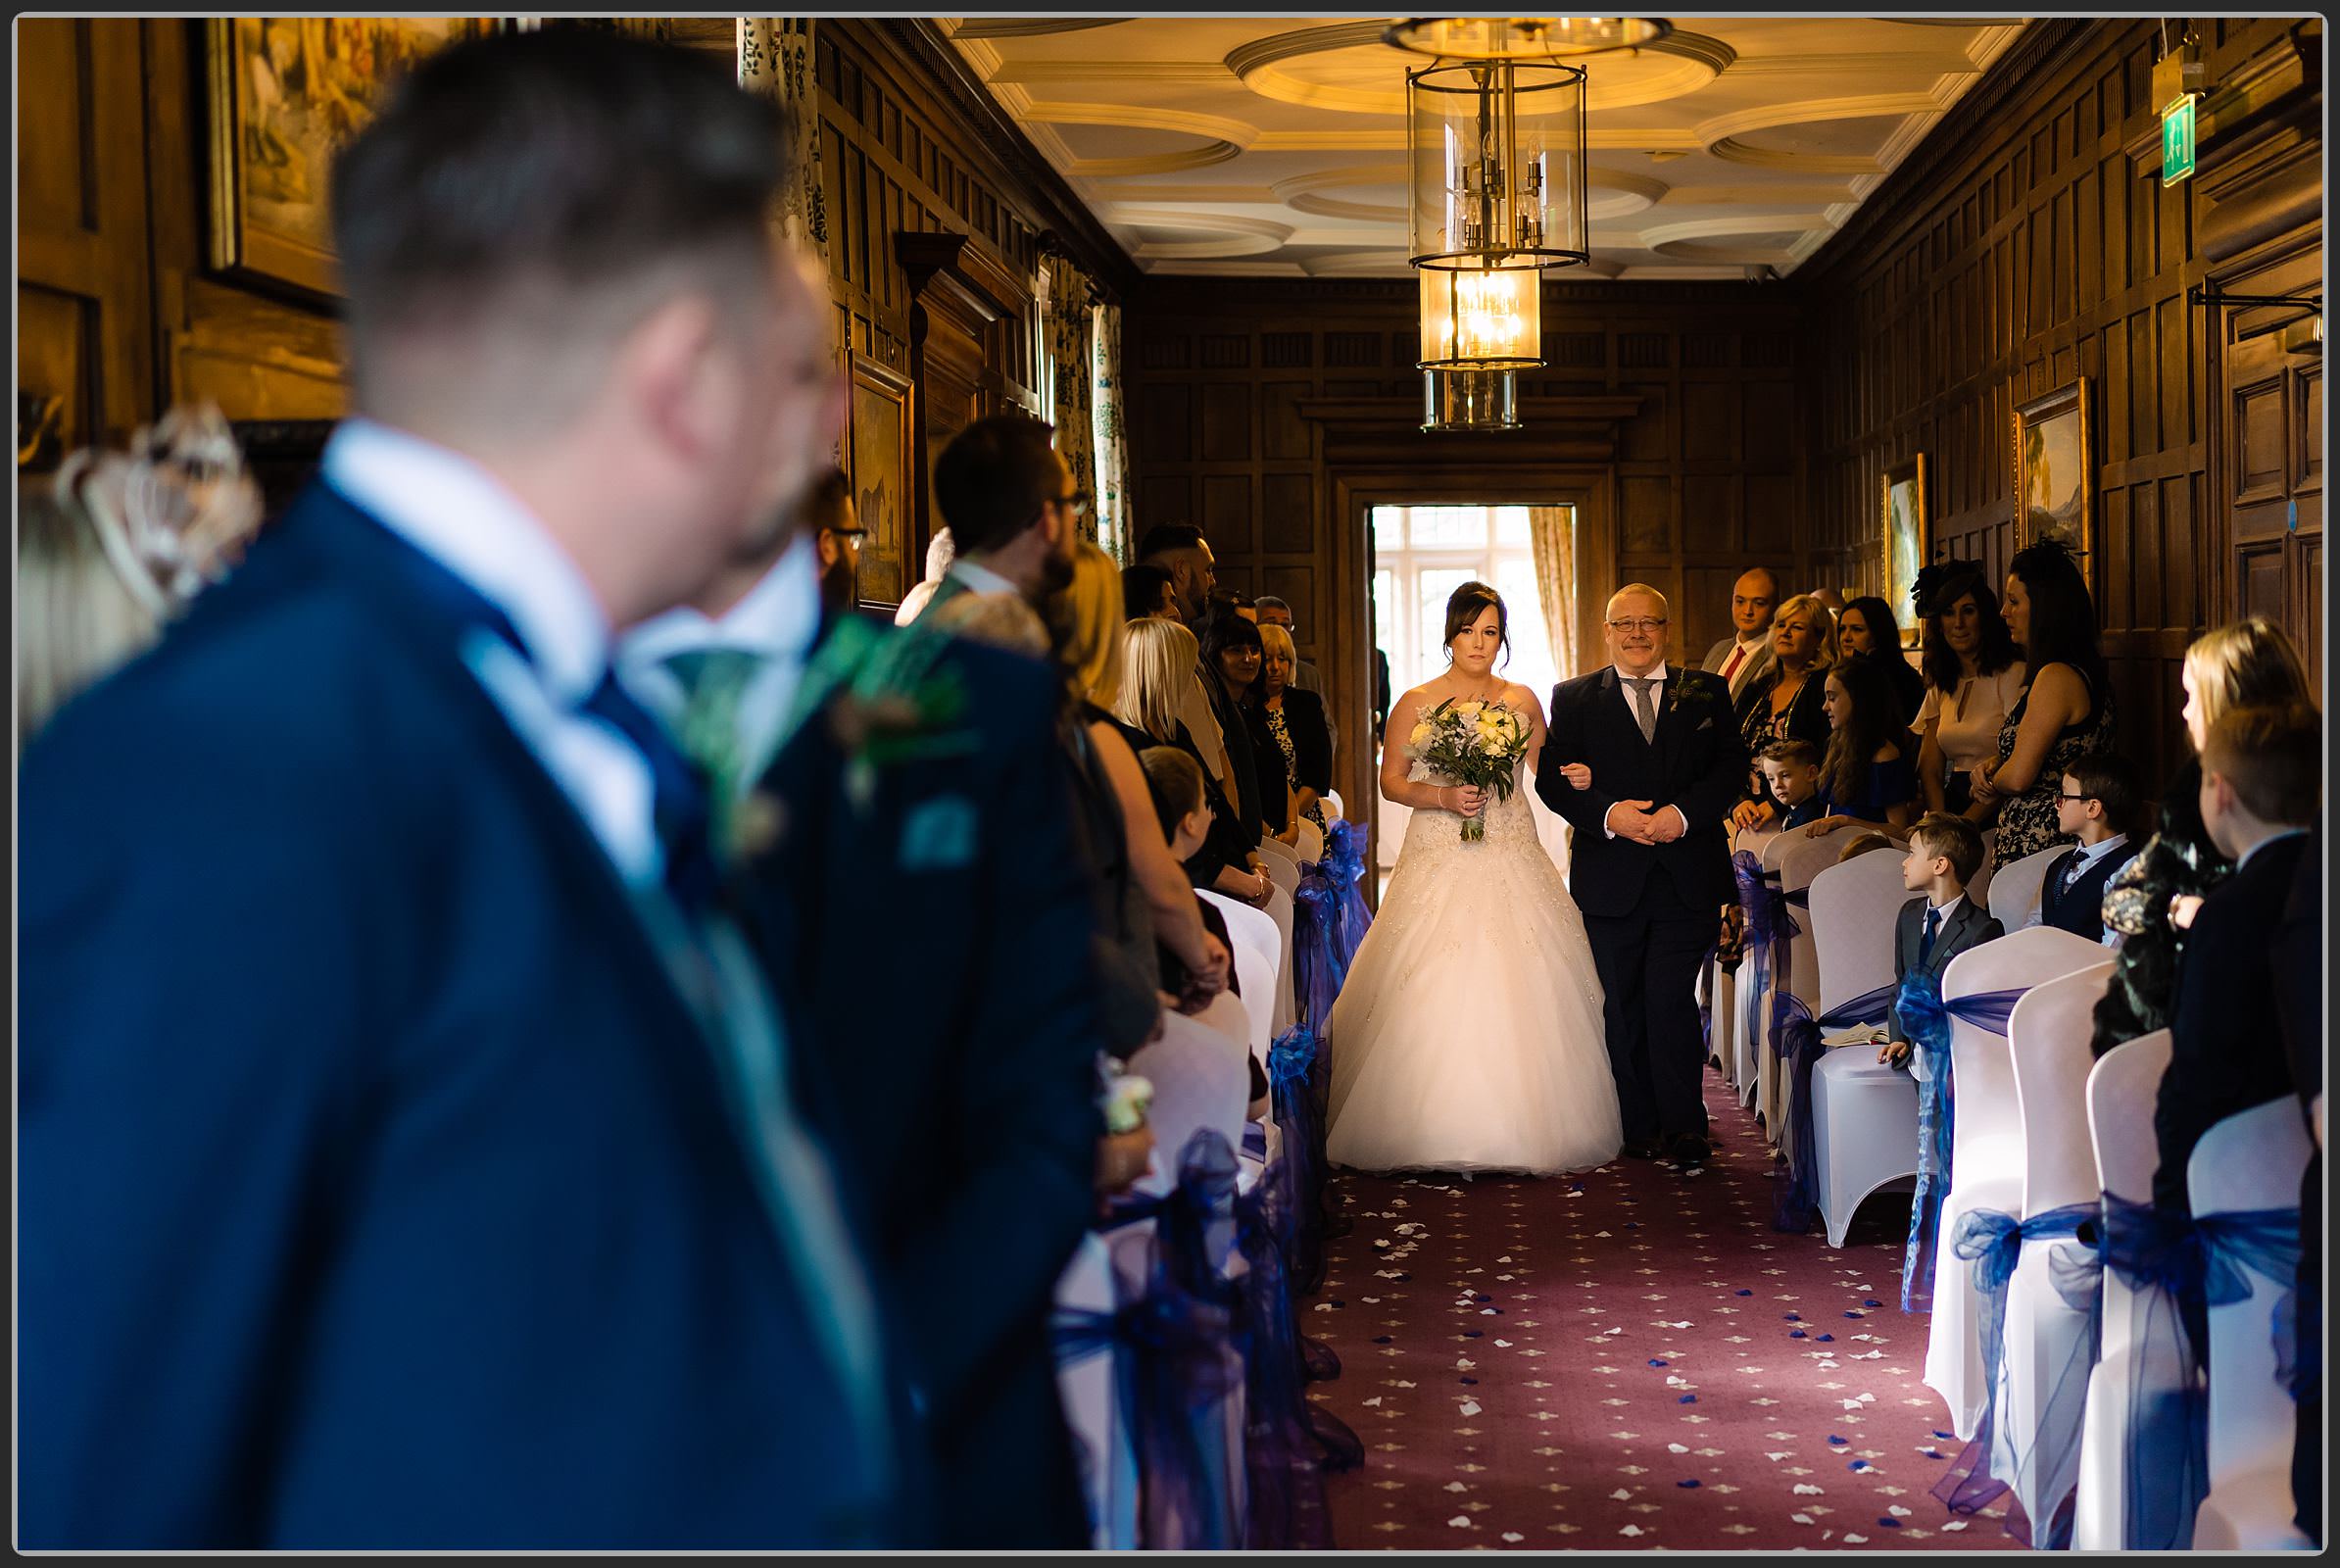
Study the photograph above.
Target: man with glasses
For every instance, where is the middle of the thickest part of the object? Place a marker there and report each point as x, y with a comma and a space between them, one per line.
837, 539
1015, 516
1650, 864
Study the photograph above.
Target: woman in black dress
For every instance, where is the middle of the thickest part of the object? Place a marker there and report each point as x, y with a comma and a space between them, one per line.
1158, 663
1232, 654
2065, 710
1287, 731
1867, 629
1787, 701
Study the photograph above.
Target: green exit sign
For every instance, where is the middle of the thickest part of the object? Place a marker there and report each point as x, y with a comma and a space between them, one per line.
2177, 140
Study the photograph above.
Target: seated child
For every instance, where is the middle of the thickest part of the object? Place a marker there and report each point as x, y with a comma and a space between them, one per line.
1941, 922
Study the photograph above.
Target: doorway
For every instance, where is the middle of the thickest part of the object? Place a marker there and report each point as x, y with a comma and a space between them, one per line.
1420, 553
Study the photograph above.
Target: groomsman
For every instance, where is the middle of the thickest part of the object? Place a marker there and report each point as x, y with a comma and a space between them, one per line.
409, 1159
1649, 864
966, 1093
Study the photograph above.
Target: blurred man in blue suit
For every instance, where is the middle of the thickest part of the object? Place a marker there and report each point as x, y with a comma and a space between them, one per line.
411, 1154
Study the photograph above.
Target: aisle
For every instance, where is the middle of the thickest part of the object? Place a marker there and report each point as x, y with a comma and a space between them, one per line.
1630, 1359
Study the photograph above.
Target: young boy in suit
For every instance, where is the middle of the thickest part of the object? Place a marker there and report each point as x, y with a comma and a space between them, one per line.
2097, 801
1791, 773
1941, 922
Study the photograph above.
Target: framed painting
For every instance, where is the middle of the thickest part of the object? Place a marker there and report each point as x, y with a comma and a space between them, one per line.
878, 435
2054, 480
1908, 540
286, 92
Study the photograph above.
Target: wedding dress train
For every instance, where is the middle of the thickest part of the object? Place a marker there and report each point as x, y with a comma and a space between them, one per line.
1469, 1034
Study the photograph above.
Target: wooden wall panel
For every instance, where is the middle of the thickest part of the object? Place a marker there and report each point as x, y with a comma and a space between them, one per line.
2028, 242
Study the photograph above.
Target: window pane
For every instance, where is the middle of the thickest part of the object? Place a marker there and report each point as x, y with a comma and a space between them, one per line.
1511, 526
1447, 527
1531, 642
1389, 528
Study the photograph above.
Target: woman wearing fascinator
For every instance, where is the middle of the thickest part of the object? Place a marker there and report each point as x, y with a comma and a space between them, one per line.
2065, 710
118, 547
1974, 675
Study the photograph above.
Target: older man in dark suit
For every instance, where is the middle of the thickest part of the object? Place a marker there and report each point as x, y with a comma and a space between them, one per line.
412, 1157
1650, 864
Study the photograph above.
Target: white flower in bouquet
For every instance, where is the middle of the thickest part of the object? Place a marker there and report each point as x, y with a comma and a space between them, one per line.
1474, 743
1127, 1097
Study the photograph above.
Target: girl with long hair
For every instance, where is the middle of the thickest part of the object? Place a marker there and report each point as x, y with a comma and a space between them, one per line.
2065, 710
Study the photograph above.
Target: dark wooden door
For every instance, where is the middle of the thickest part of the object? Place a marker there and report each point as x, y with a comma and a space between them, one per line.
2273, 458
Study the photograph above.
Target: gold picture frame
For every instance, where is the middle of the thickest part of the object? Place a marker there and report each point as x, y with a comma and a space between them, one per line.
1908, 540
2055, 474
880, 441
286, 92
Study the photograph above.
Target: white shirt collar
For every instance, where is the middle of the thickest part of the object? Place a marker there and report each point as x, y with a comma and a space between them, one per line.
1946, 910
462, 518
2090, 854
2271, 838
982, 579
779, 617
1754, 640
1657, 674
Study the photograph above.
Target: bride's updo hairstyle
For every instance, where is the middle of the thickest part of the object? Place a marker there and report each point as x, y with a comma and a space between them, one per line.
1463, 606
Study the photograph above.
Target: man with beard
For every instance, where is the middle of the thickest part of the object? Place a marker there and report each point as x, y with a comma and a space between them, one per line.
1014, 515
837, 534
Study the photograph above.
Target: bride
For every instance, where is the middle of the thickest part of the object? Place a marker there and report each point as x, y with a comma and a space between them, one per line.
1469, 1034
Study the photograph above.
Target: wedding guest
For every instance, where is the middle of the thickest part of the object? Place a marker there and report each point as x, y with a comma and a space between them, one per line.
1831, 600
837, 537
479, 1223
2299, 955
1180, 550
1865, 775
1232, 654
1145, 591
118, 547
1941, 921
1862, 844
2147, 905
1974, 676
1274, 612
1791, 789
1865, 629
1175, 781
2066, 710
1749, 652
2098, 804
2261, 789
1786, 700
1158, 666
939, 556
1288, 732
983, 1090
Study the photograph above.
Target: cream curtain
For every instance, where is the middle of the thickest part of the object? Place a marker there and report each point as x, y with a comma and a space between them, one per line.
776, 59
1552, 536
1112, 506
1070, 353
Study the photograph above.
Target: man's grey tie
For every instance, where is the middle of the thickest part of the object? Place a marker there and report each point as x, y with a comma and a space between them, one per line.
1644, 707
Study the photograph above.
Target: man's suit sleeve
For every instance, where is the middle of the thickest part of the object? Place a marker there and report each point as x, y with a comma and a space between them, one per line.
1001, 1227
1564, 741
189, 1009
1904, 954
1709, 797
2189, 1100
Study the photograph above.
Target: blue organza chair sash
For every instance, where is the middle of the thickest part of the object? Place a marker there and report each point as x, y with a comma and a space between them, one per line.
1292, 1063
1927, 1016
1797, 1202
1993, 1243
2180, 1266
1344, 862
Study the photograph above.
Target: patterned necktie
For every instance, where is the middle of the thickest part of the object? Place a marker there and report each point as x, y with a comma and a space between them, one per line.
1644, 707
1934, 925
2073, 863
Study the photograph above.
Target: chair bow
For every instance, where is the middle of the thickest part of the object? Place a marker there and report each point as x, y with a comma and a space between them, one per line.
1927, 1016
1797, 1202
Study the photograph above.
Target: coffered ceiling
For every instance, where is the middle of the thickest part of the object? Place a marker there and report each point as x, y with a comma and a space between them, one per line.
1275, 147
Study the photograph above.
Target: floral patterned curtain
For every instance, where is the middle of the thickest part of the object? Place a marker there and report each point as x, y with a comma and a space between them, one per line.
1069, 352
776, 59
1552, 536
1112, 506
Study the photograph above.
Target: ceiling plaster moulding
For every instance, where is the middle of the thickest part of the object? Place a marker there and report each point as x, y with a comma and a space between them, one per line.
1806, 112
1651, 140
1936, 62
1663, 239
1836, 190
1027, 26
1228, 235
1615, 80
1318, 206
1204, 269
1168, 72
1613, 193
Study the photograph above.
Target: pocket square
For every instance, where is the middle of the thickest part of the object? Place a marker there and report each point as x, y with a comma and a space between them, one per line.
1706, 723
938, 835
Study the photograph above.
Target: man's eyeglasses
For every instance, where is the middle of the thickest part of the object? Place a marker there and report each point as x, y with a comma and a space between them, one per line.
2061, 796
856, 535
1643, 623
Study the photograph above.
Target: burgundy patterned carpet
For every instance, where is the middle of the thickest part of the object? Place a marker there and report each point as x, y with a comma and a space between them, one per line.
1630, 1359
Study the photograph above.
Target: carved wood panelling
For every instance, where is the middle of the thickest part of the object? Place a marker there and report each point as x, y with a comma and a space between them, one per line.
2023, 245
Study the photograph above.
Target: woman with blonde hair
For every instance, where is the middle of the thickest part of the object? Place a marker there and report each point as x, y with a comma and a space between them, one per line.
1788, 701
1159, 660
2149, 904
1159, 902
120, 546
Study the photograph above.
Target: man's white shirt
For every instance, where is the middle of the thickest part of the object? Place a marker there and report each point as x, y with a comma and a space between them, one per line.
1656, 695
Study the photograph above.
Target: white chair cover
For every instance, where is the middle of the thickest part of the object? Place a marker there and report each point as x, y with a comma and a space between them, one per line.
1986, 1158
1749, 1019
1091, 1395
1864, 1114
2251, 1161
1257, 941
1281, 861
1311, 847
2015, 893
2121, 1089
1332, 799
1801, 860
2048, 1038
1283, 1012
1198, 1080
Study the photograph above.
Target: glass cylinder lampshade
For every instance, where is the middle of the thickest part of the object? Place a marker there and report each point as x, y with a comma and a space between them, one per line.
1523, 37
1495, 165
1484, 320
1470, 399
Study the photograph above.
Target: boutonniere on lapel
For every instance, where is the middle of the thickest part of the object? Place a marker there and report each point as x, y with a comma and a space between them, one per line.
1683, 696
886, 702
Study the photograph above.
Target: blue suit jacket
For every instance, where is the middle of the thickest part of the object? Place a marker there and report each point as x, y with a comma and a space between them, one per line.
948, 976
376, 1186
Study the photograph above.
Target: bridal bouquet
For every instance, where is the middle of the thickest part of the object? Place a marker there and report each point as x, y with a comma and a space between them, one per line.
1476, 742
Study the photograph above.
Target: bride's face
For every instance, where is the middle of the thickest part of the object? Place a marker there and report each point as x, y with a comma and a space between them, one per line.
1475, 647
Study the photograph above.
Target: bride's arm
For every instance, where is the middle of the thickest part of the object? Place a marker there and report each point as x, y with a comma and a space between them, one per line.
1397, 788
1578, 774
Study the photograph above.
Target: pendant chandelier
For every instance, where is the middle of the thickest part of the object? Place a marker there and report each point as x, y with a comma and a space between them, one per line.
1470, 399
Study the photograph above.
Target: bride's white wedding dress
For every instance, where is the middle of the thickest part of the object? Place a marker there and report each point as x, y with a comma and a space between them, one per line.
1469, 1033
